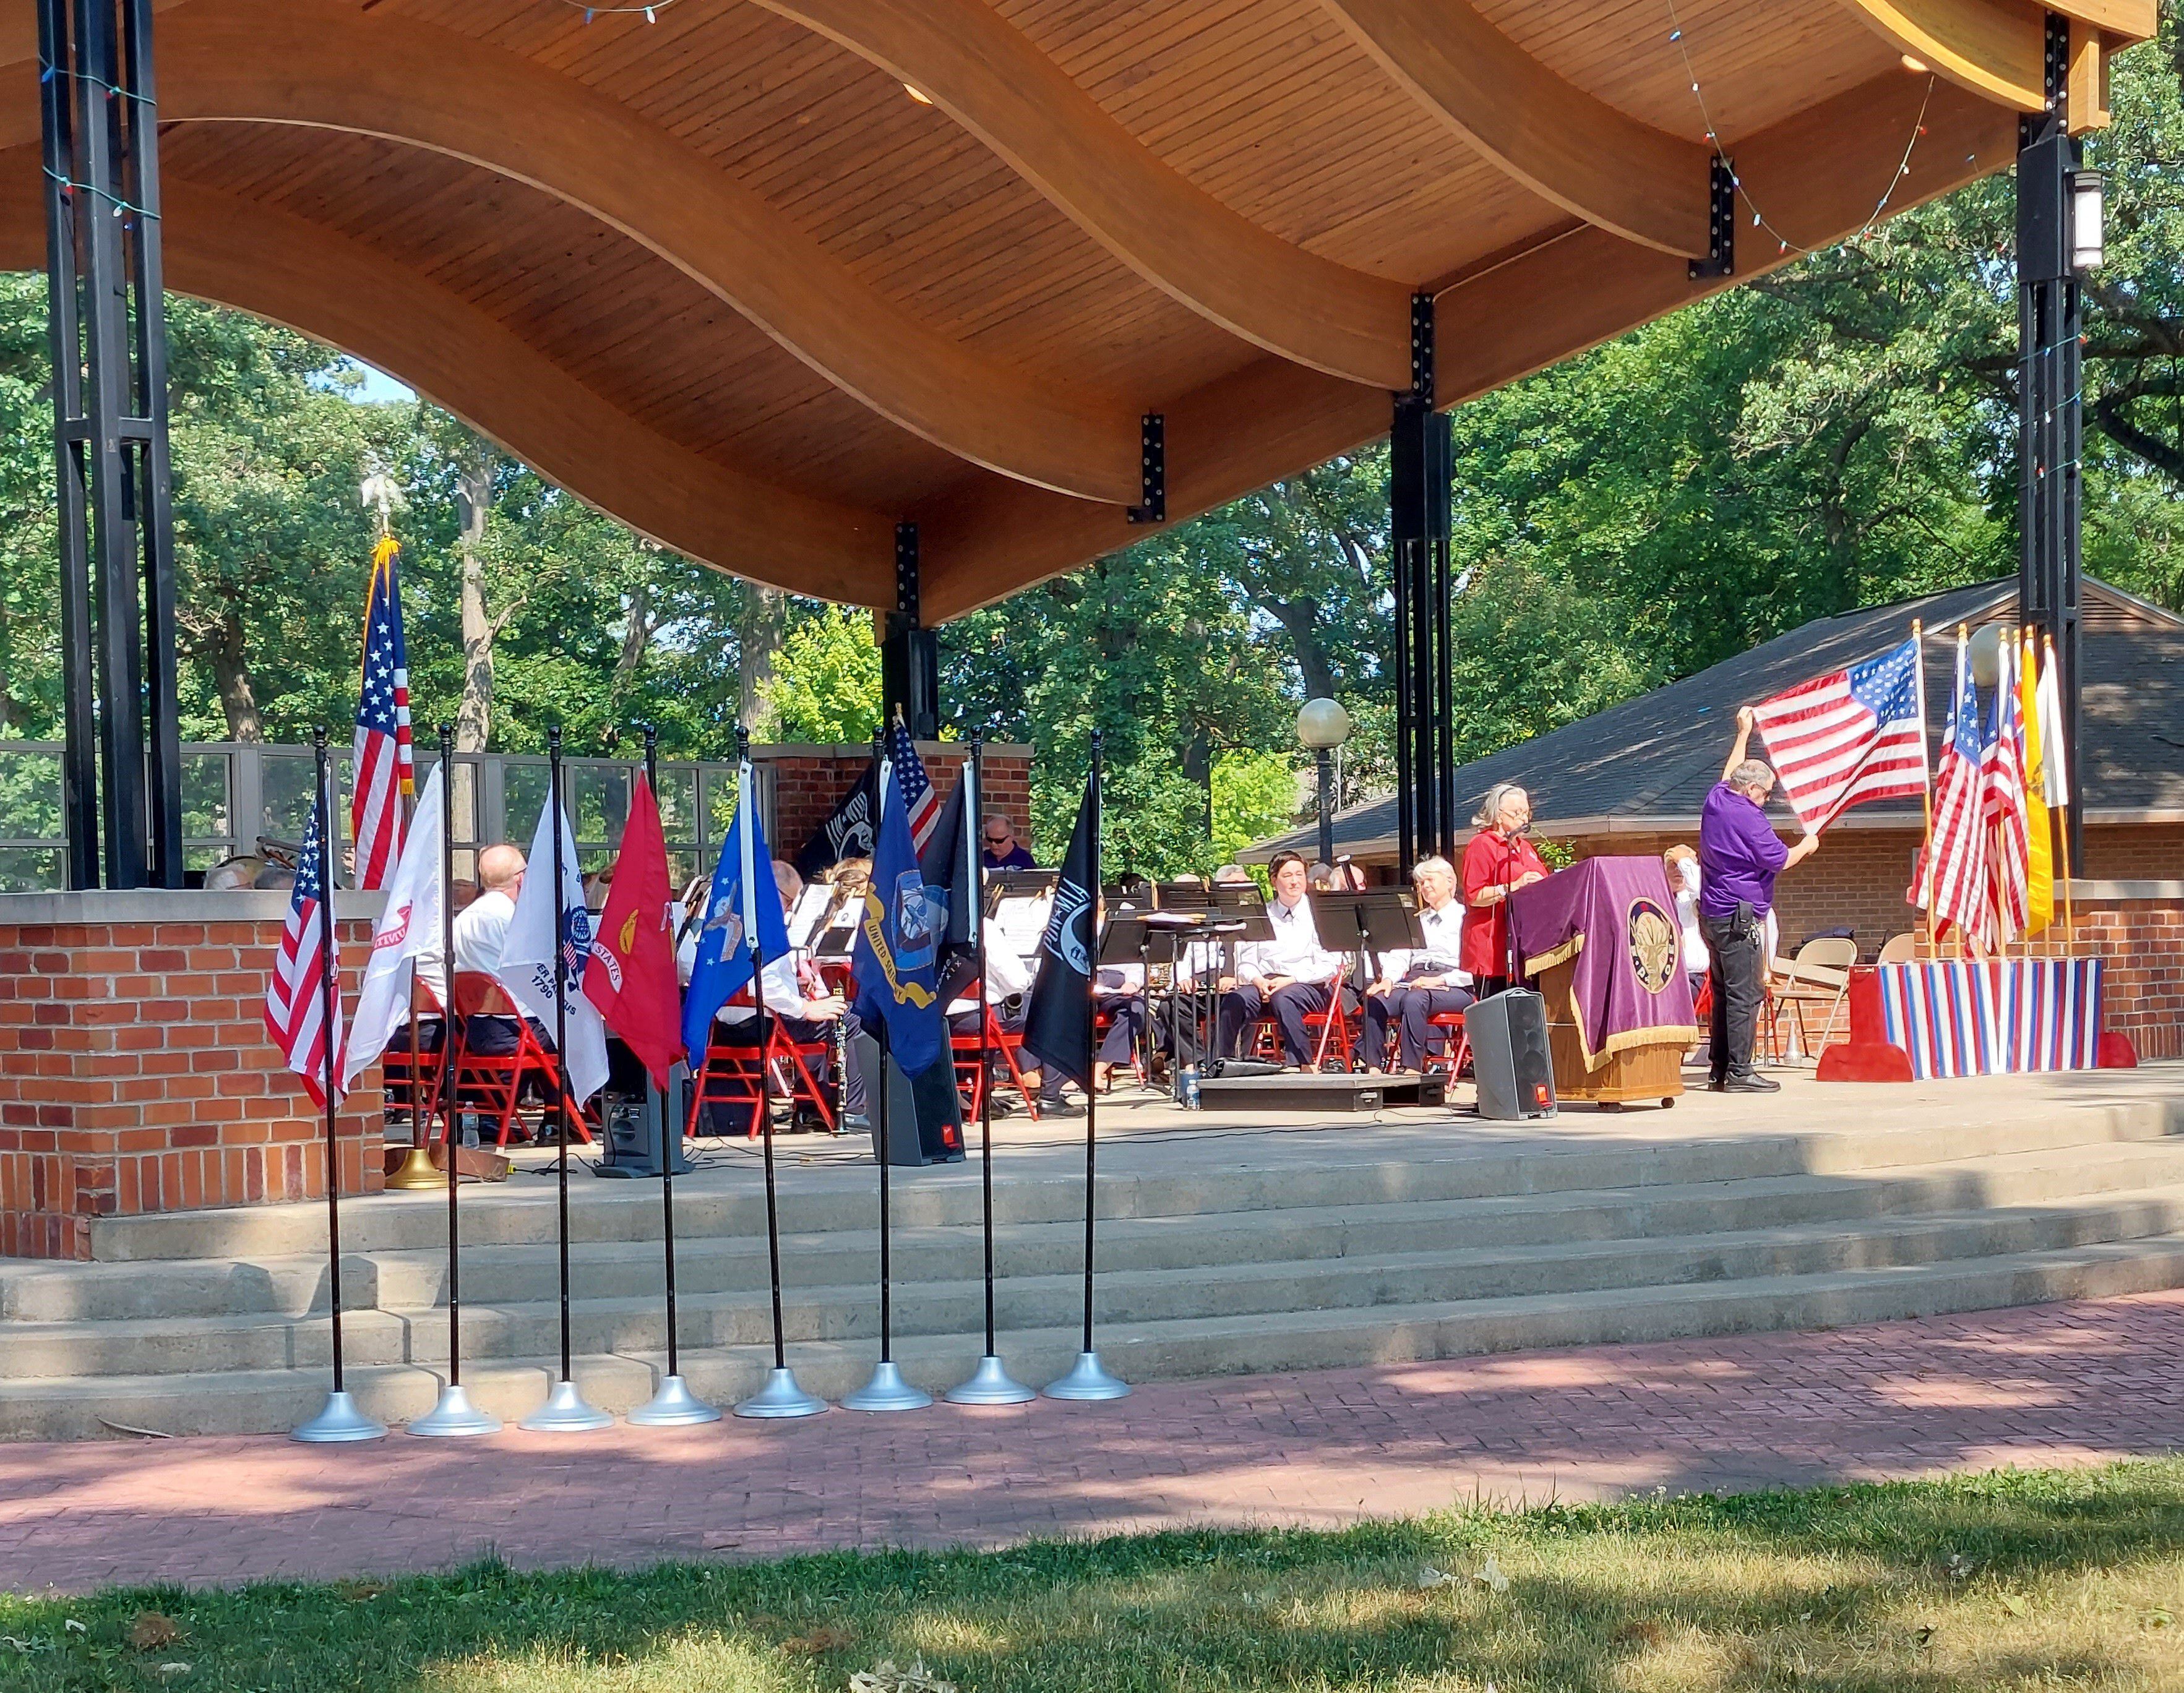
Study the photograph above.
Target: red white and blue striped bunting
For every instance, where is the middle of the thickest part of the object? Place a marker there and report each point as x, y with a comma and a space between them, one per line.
1968, 1016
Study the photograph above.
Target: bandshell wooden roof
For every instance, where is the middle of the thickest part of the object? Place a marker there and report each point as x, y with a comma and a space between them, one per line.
763, 277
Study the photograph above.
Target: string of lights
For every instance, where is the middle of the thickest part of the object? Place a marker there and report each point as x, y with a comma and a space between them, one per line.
1714, 140
47, 71
121, 208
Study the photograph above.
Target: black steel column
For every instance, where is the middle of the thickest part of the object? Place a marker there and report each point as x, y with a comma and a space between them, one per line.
910, 656
2051, 395
109, 342
1418, 473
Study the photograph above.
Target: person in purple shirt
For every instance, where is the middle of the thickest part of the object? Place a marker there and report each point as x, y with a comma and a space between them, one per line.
1003, 851
1740, 856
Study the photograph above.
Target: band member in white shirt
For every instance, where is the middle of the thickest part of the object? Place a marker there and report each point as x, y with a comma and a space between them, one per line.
1415, 984
1291, 975
481, 932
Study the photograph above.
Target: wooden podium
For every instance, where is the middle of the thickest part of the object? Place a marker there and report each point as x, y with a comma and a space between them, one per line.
1637, 1072
1604, 931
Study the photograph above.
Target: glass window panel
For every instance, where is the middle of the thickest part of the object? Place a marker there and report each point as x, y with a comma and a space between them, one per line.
523, 791
206, 818
29, 870
285, 790
30, 796
599, 803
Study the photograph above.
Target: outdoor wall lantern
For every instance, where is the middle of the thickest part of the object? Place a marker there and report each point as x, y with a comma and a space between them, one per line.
2086, 215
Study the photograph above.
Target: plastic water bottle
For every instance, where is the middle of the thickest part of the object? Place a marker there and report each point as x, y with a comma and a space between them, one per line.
1191, 1087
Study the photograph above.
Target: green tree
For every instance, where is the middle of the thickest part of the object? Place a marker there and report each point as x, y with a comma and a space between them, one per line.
1255, 795
825, 687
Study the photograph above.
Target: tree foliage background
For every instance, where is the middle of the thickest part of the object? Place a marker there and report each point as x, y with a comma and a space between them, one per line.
1841, 433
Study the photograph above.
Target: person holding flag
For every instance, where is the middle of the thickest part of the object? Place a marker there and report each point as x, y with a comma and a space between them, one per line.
384, 759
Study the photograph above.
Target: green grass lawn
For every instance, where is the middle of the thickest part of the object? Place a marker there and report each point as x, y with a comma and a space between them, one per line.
2010, 1580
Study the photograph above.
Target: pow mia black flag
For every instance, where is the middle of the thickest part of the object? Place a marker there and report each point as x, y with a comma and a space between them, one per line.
1058, 1027
848, 832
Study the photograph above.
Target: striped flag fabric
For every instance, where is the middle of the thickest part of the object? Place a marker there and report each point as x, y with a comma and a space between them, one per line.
2002, 807
385, 764
296, 996
1854, 735
918, 799
1987, 1017
1951, 878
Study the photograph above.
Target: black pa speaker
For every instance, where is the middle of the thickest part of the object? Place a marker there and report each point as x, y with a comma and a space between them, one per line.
1508, 1035
924, 1113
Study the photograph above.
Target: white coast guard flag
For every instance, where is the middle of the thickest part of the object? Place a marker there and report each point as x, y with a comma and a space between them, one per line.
404, 942
529, 955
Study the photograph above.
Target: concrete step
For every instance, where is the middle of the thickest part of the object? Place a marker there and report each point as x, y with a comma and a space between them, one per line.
499, 1272
271, 1399
1045, 1185
953, 1305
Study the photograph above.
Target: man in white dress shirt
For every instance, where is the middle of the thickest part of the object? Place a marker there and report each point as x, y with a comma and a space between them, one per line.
481, 932
1290, 974
1415, 984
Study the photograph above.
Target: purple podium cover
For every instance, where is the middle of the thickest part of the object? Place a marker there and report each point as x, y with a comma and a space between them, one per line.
1615, 917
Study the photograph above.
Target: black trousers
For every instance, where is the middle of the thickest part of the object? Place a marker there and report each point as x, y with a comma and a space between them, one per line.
496, 1036
1736, 943
1244, 1005
1409, 1010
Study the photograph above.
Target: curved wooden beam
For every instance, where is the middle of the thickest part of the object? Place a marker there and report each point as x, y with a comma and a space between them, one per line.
1817, 173
1591, 159
237, 253
991, 78
1996, 49
316, 65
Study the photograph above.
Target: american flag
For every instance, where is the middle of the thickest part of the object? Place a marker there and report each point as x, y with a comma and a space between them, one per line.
918, 799
2002, 808
1951, 881
1840, 739
295, 997
386, 773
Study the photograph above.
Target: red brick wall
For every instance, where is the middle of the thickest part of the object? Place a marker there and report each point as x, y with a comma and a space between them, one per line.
809, 781
2142, 986
135, 1074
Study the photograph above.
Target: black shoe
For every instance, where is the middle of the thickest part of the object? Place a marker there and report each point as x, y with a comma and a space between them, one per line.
1060, 1107
854, 1124
1752, 1084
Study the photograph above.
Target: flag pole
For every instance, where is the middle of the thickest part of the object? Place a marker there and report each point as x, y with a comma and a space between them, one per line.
887, 1390
1087, 1378
2062, 823
990, 1384
566, 1411
781, 1396
340, 1419
455, 1414
1926, 786
672, 1404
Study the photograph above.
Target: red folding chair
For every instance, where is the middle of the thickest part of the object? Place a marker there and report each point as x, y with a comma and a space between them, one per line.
1333, 1024
494, 1080
1454, 1053
971, 1073
410, 1081
734, 1075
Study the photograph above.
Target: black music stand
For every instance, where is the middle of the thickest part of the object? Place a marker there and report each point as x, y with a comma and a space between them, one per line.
1019, 885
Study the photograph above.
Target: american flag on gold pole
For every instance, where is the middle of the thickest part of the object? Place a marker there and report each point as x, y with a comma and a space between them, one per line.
384, 763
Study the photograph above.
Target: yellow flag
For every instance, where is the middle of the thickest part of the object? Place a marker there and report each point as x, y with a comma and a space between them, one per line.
2039, 880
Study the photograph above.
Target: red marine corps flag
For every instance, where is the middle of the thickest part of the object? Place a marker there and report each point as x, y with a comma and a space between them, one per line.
630, 978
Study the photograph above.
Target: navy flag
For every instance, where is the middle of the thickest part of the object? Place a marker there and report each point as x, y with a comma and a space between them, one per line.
1058, 1026
950, 863
898, 945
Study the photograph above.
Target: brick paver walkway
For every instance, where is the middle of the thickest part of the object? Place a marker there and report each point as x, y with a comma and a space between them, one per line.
2042, 1385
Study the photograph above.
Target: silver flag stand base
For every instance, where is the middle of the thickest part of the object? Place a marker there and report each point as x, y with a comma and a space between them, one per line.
454, 1416
780, 1396
1088, 1380
887, 1391
674, 1406
990, 1384
339, 1421
566, 1412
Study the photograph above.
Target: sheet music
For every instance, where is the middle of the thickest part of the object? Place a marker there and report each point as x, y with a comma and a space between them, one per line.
1018, 924
810, 911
